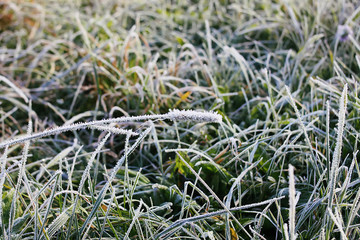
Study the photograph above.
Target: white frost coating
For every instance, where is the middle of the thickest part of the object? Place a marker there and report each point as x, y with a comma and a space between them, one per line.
292, 204
190, 115
339, 142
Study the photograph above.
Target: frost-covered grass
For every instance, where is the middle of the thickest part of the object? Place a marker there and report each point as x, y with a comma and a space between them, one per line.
95, 141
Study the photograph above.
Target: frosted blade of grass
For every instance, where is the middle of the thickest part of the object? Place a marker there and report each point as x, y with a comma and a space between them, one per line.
50, 201
345, 186
84, 236
112, 177
107, 213
355, 207
322, 234
15, 88
328, 138
292, 203
78, 89
292, 101
174, 115
58, 222
20, 177
237, 181
3, 161
354, 42
212, 192
213, 83
83, 31
208, 40
181, 222
36, 217
332, 89
337, 223
194, 188
286, 232
95, 207
157, 145
312, 204
83, 178
245, 68
91, 161
130, 150
114, 130
358, 59
137, 214
339, 139
294, 20
71, 171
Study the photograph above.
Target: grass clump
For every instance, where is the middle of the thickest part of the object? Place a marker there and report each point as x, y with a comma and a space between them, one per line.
98, 139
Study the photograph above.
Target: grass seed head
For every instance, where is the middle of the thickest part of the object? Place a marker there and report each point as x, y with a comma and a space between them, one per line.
190, 115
